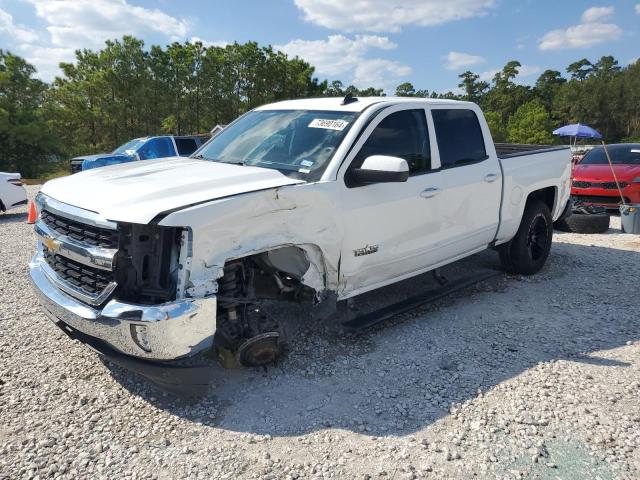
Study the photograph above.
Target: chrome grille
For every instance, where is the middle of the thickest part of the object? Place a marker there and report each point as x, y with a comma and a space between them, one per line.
81, 232
90, 280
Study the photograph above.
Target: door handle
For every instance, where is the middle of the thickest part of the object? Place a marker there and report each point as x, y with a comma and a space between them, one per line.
430, 192
492, 177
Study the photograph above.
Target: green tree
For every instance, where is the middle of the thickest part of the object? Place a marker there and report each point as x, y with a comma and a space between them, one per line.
530, 124
407, 89
497, 126
472, 87
26, 139
580, 70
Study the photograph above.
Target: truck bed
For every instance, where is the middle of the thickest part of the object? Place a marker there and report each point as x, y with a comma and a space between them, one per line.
508, 150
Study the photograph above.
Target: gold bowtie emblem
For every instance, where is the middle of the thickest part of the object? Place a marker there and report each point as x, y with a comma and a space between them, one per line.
52, 245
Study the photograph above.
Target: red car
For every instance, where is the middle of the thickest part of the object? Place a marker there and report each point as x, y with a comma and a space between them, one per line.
593, 181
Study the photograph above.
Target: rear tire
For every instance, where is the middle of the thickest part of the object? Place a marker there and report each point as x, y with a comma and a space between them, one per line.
528, 250
583, 223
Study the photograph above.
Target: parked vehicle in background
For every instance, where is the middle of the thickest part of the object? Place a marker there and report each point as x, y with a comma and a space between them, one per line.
313, 200
12, 192
144, 148
594, 183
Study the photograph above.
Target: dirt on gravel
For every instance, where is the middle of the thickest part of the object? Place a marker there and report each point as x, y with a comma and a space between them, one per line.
516, 377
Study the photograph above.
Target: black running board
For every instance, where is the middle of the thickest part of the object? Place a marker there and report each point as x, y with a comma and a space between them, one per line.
369, 319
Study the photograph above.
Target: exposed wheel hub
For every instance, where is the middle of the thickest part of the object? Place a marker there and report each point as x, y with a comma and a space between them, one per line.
259, 350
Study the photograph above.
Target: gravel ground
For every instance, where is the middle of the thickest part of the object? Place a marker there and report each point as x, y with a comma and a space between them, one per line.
514, 378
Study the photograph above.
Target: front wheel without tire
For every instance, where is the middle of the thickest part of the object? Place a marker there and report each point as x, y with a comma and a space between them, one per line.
528, 250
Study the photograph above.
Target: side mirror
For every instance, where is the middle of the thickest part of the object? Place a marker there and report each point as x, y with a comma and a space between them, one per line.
381, 169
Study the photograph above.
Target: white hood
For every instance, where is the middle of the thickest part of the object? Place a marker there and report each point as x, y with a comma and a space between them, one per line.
139, 191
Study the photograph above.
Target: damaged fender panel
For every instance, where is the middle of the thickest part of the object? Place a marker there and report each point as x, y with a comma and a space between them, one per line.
286, 220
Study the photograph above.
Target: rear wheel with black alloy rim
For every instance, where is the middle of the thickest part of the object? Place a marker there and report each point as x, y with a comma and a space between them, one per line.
529, 249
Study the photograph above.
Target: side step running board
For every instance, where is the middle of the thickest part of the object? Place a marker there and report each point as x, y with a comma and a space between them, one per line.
377, 316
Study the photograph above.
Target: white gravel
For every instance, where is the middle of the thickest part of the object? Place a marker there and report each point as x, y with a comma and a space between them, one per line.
515, 378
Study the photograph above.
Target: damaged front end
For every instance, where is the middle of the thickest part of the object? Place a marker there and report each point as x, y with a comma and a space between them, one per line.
118, 283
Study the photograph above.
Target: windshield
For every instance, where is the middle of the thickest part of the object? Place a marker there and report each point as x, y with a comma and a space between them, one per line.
299, 143
620, 155
130, 145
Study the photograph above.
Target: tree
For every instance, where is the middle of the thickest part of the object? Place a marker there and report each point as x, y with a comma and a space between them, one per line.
26, 140
497, 126
606, 67
580, 70
472, 87
530, 124
407, 90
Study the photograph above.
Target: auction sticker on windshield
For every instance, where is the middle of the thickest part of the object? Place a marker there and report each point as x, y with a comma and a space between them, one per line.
328, 124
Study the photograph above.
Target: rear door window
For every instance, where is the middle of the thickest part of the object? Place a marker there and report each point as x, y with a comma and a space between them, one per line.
459, 137
186, 146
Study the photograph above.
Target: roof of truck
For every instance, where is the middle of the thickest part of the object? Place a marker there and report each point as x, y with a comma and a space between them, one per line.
335, 103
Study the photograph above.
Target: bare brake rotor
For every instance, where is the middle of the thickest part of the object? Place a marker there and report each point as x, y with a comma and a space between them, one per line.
259, 350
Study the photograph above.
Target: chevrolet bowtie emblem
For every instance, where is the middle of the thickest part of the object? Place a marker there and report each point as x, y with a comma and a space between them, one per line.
52, 244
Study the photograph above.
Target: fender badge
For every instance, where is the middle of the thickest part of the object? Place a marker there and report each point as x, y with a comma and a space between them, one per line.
367, 250
52, 245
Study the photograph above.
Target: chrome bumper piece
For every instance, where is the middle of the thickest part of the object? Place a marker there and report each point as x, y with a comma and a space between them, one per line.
155, 332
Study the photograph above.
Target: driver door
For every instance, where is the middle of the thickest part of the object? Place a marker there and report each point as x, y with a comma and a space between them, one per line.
390, 228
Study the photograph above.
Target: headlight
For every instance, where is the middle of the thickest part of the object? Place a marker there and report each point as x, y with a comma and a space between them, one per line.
636, 180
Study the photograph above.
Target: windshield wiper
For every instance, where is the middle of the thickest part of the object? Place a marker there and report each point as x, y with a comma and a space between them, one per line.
200, 157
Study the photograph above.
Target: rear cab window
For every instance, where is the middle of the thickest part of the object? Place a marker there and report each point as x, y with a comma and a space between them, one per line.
186, 146
459, 137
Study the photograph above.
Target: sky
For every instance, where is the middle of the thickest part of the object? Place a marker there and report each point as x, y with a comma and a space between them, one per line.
379, 43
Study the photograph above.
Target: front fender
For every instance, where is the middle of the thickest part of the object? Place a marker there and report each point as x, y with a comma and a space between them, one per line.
303, 216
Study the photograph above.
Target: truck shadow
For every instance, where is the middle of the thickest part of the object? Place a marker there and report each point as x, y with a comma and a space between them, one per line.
400, 376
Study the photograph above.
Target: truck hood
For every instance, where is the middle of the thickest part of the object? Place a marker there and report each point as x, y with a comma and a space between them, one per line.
139, 191
602, 173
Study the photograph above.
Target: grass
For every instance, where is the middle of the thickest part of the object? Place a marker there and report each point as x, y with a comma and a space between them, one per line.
46, 178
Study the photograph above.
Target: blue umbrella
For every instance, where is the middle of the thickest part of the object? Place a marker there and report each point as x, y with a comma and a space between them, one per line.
577, 130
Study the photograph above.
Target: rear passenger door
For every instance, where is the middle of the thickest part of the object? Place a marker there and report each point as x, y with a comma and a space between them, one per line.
469, 182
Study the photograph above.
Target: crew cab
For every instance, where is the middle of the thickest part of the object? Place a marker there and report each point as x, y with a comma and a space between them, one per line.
594, 183
144, 148
315, 200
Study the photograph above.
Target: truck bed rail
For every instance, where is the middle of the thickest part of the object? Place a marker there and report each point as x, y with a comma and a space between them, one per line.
508, 150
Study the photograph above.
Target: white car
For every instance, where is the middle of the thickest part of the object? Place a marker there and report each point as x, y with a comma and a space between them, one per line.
12, 192
316, 199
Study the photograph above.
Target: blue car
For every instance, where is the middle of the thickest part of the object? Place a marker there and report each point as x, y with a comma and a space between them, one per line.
145, 148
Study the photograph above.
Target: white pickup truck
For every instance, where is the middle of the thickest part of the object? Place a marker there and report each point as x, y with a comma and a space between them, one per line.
316, 199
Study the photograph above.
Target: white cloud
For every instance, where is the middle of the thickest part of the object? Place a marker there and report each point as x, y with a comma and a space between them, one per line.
459, 60
88, 23
78, 24
594, 14
207, 43
488, 75
588, 33
528, 70
388, 15
580, 36
46, 59
638, 9
379, 73
17, 32
340, 55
